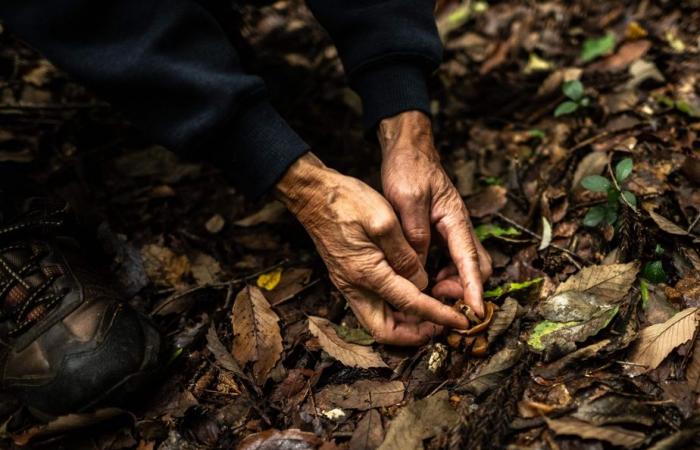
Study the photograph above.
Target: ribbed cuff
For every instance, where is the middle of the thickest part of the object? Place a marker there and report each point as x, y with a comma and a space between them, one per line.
264, 146
389, 89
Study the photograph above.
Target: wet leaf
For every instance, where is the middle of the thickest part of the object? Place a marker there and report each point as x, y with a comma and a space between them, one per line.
596, 47
420, 420
656, 342
361, 395
502, 319
614, 435
369, 433
352, 355
257, 336
493, 372
595, 183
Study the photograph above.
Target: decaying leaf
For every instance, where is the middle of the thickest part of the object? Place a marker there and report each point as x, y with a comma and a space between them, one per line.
502, 319
223, 356
420, 420
351, 355
257, 336
491, 373
369, 432
489, 201
614, 435
553, 369
656, 342
163, 266
361, 395
65, 424
692, 371
667, 225
591, 164
293, 281
608, 282
205, 269
615, 409
292, 439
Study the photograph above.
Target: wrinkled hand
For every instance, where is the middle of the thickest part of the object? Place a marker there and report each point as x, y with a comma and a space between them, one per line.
417, 186
361, 241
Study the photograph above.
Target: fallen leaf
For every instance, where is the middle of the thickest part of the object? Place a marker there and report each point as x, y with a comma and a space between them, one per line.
608, 282
592, 164
626, 55
511, 287
489, 201
546, 234
361, 395
222, 356
641, 71
502, 319
656, 342
64, 424
553, 369
552, 83
369, 432
215, 224
692, 371
293, 281
257, 336
562, 336
292, 439
420, 420
667, 225
493, 372
205, 269
614, 435
614, 409
354, 335
352, 355
464, 175
163, 266
270, 213
269, 280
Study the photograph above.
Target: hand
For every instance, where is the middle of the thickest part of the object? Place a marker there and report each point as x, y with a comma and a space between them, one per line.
359, 238
418, 188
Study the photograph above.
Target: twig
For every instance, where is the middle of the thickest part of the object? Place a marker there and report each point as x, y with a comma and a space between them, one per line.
537, 236
692, 225
619, 189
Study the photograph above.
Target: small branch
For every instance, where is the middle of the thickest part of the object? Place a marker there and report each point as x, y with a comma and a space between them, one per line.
692, 225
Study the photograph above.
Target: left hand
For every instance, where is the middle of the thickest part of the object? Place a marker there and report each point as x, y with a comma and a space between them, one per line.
416, 185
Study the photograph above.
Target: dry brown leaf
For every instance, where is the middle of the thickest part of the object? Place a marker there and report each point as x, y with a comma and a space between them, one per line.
503, 318
692, 372
65, 424
352, 355
488, 201
369, 432
270, 213
609, 283
614, 435
362, 395
205, 269
667, 225
223, 356
591, 164
654, 343
626, 55
257, 336
418, 421
163, 266
293, 281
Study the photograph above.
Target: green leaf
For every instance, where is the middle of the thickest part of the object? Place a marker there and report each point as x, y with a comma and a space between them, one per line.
354, 335
658, 250
573, 89
544, 328
564, 108
594, 216
548, 333
631, 199
488, 230
654, 272
623, 169
595, 183
595, 47
510, 287
536, 134
644, 289
492, 180
610, 215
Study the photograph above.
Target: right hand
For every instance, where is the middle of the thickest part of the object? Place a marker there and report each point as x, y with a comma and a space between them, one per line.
369, 260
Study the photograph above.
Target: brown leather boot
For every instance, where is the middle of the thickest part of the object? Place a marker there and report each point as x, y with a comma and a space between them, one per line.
67, 340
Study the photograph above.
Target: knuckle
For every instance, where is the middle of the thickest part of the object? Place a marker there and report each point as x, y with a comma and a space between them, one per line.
382, 224
418, 235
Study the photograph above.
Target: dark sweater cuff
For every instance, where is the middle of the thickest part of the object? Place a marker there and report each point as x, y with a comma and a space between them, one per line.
264, 146
389, 89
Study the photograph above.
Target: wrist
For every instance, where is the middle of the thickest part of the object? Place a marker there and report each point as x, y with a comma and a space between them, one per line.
409, 131
301, 182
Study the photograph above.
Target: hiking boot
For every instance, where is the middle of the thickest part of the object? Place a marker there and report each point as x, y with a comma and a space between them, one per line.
67, 339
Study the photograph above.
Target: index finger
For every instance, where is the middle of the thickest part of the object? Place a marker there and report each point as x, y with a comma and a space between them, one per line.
456, 230
406, 297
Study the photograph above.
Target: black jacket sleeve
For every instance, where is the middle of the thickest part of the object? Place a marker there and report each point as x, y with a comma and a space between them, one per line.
169, 66
387, 47
172, 69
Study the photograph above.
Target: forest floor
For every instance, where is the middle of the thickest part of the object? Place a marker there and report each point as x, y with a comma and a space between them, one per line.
572, 131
